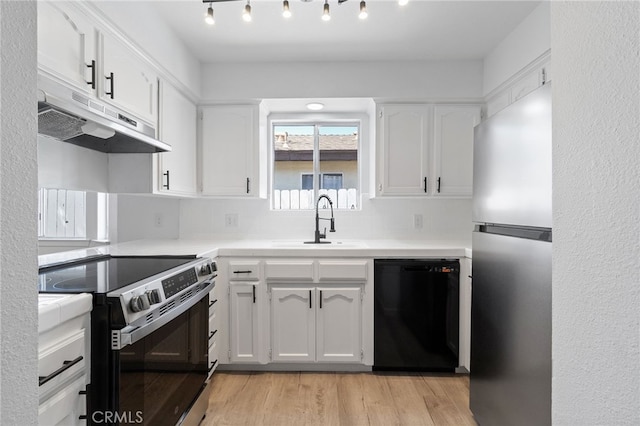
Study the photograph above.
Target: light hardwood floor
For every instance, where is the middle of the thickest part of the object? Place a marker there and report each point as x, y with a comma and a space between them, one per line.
347, 399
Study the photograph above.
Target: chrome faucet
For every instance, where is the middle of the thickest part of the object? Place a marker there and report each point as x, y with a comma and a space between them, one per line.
318, 235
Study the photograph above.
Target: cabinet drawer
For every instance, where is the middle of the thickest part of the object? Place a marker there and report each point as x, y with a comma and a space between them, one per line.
65, 406
289, 270
339, 270
61, 361
244, 270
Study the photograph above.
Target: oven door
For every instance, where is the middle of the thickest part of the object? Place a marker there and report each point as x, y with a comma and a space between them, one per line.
161, 375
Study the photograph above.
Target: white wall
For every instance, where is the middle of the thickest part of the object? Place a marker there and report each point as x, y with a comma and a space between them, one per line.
378, 219
397, 80
525, 43
596, 213
67, 166
18, 210
134, 217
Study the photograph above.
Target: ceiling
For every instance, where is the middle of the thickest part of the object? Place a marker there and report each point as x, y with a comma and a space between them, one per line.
421, 30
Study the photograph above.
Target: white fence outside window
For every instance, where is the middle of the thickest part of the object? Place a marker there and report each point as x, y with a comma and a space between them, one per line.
302, 199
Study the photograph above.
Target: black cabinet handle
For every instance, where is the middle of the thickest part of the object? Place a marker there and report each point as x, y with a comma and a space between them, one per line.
112, 84
425, 184
438, 185
213, 302
254, 293
213, 364
310, 306
320, 299
167, 175
92, 83
246, 271
65, 366
213, 333
248, 187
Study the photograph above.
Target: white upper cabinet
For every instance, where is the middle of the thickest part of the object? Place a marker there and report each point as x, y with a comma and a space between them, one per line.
67, 45
426, 150
230, 150
404, 147
453, 148
125, 81
523, 83
178, 118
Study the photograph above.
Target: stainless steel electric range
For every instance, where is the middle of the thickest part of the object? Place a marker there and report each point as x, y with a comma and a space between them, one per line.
149, 335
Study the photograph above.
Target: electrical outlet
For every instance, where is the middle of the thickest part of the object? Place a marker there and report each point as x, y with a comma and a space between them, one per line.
417, 221
157, 220
231, 220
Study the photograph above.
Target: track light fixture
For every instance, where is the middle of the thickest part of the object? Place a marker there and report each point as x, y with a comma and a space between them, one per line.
326, 16
363, 10
208, 18
246, 15
286, 12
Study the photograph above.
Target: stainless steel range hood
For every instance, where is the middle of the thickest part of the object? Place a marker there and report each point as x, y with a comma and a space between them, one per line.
70, 116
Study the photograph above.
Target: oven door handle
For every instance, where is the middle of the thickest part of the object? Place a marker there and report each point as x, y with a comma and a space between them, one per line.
130, 334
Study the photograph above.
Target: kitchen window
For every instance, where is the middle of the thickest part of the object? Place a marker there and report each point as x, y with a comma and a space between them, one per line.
72, 215
314, 159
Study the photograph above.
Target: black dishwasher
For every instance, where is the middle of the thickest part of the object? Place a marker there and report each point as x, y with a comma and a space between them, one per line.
416, 314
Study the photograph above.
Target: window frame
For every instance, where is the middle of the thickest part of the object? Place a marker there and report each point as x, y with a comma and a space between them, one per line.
313, 120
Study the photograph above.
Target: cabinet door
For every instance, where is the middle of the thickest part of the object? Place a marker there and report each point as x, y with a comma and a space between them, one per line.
126, 82
177, 169
453, 153
229, 150
403, 163
243, 322
339, 327
66, 44
293, 324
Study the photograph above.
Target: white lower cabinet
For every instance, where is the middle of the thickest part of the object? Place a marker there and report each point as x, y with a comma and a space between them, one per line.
298, 311
293, 324
311, 323
339, 324
63, 358
244, 322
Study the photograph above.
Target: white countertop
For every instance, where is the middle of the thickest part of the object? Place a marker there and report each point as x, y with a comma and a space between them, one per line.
269, 248
54, 309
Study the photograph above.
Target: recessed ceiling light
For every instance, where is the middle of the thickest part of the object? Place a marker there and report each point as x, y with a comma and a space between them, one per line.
315, 106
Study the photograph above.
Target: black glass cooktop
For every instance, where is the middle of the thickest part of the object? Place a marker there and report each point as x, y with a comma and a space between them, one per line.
104, 274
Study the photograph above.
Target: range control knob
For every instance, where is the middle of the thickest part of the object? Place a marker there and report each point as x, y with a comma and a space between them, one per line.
214, 267
205, 269
139, 303
153, 296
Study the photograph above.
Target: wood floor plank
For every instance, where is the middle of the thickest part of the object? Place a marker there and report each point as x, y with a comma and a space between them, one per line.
320, 399
340, 399
378, 401
350, 395
442, 408
408, 401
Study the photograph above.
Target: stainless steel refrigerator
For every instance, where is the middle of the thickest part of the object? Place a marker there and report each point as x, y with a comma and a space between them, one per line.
510, 378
